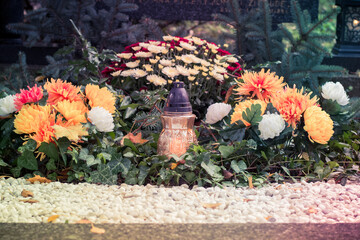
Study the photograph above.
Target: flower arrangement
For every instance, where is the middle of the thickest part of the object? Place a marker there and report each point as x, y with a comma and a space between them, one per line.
204, 67
64, 112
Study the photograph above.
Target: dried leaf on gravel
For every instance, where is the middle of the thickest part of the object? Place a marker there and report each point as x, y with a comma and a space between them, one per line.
52, 218
96, 229
296, 189
84, 221
211, 205
39, 179
26, 193
29, 201
312, 210
247, 199
250, 182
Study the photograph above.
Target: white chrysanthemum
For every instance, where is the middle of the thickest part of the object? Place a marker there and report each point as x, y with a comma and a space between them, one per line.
271, 126
216, 112
183, 70
205, 63
168, 38
156, 43
232, 60
124, 55
137, 48
166, 62
193, 71
7, 105
144, 45
155, 49
102, 119
187, 58
127, 73
198, 41
170, 72
138, 73
219, 69
132, 64
143, 54
218, 76
335, 92
156, 80
187, 46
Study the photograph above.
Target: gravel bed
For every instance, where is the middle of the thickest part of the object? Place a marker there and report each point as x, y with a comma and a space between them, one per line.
281, 203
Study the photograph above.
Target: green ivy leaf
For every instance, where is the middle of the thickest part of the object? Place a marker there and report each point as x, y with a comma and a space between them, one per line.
212, 170
190, 177
131, 176
30, 146
226, 151
235, 133
16, 171
27, 160
253, 114
103, 175
52, 176
3, 164
238, 166
63, 144
144, 171
50, 150
51, 164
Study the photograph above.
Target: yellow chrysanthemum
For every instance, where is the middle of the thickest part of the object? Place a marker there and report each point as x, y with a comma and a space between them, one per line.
318, 124
59, 90
262, 84
242, 106
37, 121
73, 112
100, 97
291, 104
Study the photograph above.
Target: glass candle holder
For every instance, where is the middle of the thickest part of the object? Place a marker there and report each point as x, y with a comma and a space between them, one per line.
178, 123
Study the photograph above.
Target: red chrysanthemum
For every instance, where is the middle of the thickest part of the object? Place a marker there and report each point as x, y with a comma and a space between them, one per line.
32, 95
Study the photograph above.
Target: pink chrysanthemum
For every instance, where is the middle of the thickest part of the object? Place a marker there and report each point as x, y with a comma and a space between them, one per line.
32, 95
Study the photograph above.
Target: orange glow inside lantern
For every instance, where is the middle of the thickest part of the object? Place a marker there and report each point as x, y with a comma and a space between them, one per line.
178, 122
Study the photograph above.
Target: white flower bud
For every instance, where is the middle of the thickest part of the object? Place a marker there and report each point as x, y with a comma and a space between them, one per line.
217, 112
102, 119
271, 126
335, 92
7, 105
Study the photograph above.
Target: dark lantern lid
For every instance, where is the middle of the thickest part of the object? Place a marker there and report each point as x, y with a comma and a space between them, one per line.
178, 100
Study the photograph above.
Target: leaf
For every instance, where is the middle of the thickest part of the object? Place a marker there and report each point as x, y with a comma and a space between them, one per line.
96, 229
134, 138
212, 170
250, 182
226, 151
26, 193
3, 164
52, 218
39, 179
51, 165
211, 205
63, 144
83, 221
27, 160
312, 210
238, 166
229, 93
16, 171
144, 171
305, 156
50, 150
29, 201
253, 114
234, 133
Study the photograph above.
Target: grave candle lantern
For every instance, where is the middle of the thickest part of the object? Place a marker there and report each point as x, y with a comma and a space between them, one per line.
348, 29
178, 122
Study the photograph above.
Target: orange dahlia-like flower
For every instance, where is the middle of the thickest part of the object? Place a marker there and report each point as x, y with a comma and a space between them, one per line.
32, 95
291, 104
242, 106
59, 90
260, 84
100, 97
73, 112
318, 124
37, 121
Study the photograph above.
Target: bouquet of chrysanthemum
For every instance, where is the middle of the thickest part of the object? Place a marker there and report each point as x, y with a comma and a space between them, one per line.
199, 64
259, 91
63, 113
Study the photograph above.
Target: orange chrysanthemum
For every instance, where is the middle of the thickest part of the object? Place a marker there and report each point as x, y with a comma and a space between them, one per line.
32, 95
100, 97
73, 112
291, 104
242, 106
37, 121
262, 84
318, 124
59, 90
